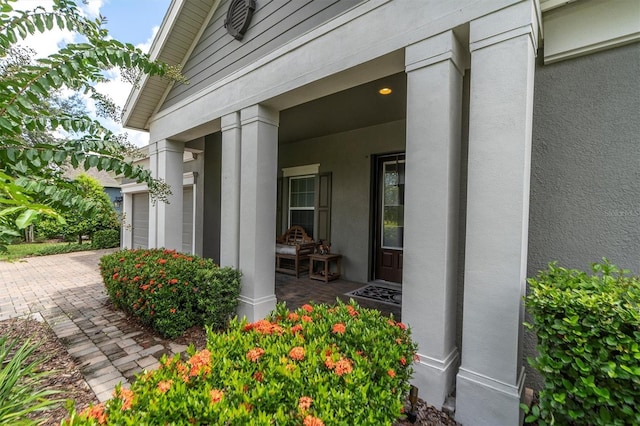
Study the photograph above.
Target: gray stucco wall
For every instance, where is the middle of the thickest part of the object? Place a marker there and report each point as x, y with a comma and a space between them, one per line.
274, 23
585, 183
347, 156
585, 186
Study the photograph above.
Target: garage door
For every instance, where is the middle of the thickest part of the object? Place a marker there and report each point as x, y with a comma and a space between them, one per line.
140, 220
187, 219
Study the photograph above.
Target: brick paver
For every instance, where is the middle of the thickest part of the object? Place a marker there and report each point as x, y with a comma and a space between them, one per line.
67, 292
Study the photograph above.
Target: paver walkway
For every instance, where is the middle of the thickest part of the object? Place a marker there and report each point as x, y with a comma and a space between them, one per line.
67, 292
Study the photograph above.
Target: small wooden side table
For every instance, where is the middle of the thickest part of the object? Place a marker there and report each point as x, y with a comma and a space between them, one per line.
325, 274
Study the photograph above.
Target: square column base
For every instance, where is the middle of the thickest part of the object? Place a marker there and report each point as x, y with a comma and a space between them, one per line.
435, 378
255, 309
481, 400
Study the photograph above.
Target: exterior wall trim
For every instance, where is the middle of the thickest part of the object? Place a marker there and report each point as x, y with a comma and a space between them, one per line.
309, 169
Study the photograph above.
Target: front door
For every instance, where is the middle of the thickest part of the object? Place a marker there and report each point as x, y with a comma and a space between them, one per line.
389, 223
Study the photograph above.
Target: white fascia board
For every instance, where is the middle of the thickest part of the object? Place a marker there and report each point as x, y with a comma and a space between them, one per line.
309, 169
154, 51
196, 39
586, 27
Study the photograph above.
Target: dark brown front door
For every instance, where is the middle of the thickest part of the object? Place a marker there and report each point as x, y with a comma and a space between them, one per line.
389, 223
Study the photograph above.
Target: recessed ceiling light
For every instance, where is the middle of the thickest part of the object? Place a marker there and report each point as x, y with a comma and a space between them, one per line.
385, 91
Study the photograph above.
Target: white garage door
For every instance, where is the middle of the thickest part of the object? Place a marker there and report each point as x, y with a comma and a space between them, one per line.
140, 220
187, 220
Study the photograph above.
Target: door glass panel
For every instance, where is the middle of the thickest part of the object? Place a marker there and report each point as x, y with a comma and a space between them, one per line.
393, 205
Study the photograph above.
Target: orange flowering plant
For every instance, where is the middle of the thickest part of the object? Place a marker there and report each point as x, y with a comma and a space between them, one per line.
281, 370
171, 291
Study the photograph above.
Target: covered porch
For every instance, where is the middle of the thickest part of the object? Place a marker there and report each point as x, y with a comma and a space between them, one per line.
295, 292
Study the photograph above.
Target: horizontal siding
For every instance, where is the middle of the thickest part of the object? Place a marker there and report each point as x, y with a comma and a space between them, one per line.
274, 23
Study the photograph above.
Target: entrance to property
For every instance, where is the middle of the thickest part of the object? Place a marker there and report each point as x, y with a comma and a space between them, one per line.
389, 217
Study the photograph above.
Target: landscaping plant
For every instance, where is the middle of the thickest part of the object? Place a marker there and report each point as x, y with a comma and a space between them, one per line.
106, 238
171, 291
318, 365
588, 329
19, 378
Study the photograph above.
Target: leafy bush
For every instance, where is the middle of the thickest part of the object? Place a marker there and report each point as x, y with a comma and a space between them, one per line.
588, 329
19, 396
171, 291
318, 365
106, 238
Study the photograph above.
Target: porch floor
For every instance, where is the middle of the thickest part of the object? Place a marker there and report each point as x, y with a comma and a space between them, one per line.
298, 291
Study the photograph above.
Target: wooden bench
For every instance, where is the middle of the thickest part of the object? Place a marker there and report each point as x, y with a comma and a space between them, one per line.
294, 246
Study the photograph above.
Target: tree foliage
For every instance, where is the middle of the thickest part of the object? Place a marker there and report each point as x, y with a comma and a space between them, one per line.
31, 182
98, 214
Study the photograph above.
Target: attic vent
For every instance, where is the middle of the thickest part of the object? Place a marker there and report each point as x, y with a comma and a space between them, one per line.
239, 17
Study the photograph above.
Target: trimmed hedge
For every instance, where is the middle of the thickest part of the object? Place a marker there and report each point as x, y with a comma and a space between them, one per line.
318, 365
170, 291
106, 238
588, 329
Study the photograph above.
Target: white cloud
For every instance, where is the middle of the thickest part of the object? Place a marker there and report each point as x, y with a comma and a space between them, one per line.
117, 89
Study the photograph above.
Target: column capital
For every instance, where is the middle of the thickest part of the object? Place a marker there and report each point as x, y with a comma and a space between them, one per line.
259, 113
520, 19
165, 145
442, 47
230, 121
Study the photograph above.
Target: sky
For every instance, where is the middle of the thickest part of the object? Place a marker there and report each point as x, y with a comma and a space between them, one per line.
129, 21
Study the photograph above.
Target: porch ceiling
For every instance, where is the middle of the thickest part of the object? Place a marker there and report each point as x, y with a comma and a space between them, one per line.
354, 108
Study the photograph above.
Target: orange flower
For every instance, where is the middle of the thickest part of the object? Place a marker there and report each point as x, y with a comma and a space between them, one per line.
343, 366
127, 397
339, 328
144, 287
258, 376
401, 326
200, 362
403, 361
292, 315
328, 362
312, 421
216, 395
352, 311
173, 281
172, 310
115, 276
391, 373
391, 322
306, 318
297, 353
162, 261
307, 308
399, 341
296, 328
95, 412
164, 386
254, 354
304, 402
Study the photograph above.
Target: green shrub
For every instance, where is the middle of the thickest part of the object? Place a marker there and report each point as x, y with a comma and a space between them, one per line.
340, 365
588, 329
106, 238
19, 394
171, 291
62, 248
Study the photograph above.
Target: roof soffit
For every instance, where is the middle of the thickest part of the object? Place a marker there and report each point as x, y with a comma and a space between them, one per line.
145, 100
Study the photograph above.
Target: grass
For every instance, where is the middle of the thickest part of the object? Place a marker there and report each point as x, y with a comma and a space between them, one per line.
18, 251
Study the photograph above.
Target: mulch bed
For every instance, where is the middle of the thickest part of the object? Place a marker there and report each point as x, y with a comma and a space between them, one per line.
67, 378
69, 381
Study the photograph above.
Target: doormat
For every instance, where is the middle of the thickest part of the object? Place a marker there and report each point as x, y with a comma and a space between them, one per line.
390, 296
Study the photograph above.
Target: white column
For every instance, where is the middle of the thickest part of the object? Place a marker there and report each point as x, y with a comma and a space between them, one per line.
258, 174
127, 224
230, 191
166, 164
491, 378
434, 107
